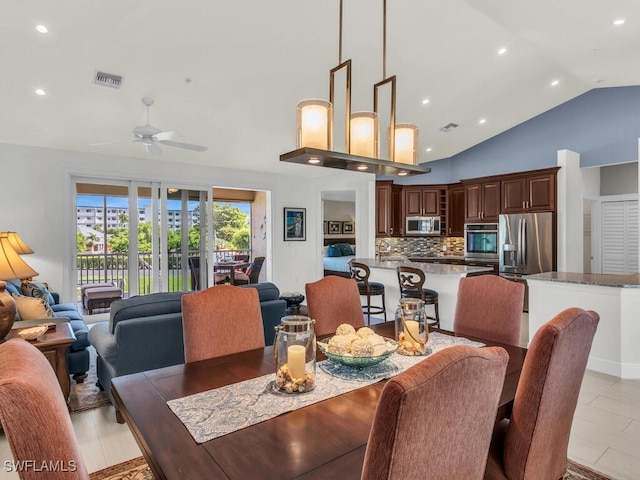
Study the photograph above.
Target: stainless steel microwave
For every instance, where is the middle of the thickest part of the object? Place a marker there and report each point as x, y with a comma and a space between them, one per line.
423, 226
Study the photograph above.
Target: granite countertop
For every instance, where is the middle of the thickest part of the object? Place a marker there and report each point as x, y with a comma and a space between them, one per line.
429, 268
437, 257
603, 280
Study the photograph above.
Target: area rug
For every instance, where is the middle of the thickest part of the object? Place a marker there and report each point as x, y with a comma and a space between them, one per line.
137, 469
86, 395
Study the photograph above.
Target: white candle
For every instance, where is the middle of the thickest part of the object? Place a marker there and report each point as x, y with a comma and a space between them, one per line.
411, 331
295, 359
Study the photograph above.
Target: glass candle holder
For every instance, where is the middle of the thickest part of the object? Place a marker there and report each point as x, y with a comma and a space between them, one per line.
412, 330
294, 349
314, 118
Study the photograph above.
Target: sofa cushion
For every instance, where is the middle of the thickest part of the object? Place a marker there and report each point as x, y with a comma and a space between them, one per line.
36, 290
68, 310
144, 306
266, 290
30, 308
81, 331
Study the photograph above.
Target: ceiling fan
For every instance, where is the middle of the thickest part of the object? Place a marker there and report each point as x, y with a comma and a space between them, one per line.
151, 136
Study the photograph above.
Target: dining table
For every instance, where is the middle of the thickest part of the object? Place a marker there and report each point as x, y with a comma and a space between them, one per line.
326, 439
229, 268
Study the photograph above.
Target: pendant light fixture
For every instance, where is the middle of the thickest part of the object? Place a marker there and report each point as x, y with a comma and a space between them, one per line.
314, 121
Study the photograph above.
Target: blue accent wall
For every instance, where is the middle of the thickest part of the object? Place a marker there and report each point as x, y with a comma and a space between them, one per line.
602, 125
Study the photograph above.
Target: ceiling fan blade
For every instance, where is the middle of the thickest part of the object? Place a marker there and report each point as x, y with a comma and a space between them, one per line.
153, 149
188, 146
164, 135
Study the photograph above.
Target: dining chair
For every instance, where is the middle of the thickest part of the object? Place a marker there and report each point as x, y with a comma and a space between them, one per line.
489, 307
533, 443
435, 419
194, 269
35, 416
221, 320
361, 273
334, 300
411, 282
251, 274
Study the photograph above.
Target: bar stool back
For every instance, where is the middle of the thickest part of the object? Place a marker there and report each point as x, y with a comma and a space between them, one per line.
411, 281
361, 273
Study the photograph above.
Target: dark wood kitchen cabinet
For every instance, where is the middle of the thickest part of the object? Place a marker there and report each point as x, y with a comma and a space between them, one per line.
389, 219
420, 200
482, 201
455, 210
533, 192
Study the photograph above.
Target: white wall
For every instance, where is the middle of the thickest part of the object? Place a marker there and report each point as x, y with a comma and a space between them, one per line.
569, 216
36, 185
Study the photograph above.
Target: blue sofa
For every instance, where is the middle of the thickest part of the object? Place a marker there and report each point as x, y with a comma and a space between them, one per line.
77, 353
145, 332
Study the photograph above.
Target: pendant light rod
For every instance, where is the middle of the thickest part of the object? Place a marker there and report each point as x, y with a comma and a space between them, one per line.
340, 37
384, 39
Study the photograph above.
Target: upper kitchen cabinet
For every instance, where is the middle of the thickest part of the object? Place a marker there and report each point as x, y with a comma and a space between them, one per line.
534, 191
482, 201
455, 210
421, 200
389, 219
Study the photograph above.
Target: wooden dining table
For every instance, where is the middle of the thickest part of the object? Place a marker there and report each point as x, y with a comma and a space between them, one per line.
327, 439
230, 268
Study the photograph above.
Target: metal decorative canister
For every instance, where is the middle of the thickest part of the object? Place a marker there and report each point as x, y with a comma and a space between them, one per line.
294, 350
412, 330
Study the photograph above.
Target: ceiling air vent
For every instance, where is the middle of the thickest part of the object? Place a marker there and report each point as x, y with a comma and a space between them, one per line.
107, 80
448, 127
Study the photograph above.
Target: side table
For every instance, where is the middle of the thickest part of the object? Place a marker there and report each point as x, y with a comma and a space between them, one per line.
53, 345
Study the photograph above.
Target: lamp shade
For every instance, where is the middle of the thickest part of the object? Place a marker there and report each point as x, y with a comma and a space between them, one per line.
364, 134
11, 265
315, 124
406, 144
16, 242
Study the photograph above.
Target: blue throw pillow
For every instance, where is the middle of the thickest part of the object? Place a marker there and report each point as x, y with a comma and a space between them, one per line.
334, 251
345, 249
37, 290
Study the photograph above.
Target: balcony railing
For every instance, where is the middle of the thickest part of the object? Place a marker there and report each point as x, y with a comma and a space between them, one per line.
114, 267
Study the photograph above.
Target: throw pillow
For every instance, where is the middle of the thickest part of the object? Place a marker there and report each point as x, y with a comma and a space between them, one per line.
30, 308
345, 249
37, 290
334, 251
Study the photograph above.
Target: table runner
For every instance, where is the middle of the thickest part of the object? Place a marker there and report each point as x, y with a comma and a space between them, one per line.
214, 413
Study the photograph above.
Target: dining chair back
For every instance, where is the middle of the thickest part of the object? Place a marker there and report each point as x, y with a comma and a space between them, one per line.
194, 269
411, 282
533, 443
35, 417
252, 273
333, 300
221, 320
360, 272
435, 419
489, 307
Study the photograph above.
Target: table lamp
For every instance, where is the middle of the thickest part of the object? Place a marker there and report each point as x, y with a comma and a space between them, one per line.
11, 268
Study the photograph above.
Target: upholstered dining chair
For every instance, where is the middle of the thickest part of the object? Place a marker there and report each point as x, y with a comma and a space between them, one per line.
194, 268
34, 414
221, 320
489, 307
533, 443
361, 273
411, 282
333, 300
435, 419
251, 274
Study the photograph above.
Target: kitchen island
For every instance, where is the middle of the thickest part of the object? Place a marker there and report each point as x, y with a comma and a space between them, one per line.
442, 278
616, 298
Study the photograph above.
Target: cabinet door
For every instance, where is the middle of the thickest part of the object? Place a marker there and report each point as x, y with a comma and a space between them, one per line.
541, 193
455, 212
383, 210
412, 202
514, 195
431, 202
472, 195
490, 202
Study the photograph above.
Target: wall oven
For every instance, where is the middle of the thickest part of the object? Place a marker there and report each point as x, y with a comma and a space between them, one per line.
481, 241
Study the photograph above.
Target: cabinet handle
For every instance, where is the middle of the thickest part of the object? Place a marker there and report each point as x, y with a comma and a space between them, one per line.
524, 204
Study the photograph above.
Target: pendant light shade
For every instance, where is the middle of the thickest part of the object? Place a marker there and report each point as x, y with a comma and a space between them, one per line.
315, 124
364, 134
406, 144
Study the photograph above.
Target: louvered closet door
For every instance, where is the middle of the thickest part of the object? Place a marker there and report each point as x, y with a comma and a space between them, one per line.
620, 237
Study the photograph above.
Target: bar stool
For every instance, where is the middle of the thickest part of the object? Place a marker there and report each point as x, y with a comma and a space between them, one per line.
360, 273
411, 281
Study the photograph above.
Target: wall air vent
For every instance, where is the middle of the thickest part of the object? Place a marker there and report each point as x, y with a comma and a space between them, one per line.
448, 127
107, 80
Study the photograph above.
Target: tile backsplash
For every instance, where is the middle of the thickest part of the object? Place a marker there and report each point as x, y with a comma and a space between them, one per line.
425, 246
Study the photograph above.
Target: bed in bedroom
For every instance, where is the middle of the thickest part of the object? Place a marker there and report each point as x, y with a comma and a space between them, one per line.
336, 256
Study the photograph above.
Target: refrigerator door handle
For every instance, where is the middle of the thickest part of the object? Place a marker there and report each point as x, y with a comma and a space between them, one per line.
524, 243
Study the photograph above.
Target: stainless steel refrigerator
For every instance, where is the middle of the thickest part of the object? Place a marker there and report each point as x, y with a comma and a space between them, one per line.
527, 244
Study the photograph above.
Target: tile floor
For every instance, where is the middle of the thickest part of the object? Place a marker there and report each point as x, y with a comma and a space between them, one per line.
605, 433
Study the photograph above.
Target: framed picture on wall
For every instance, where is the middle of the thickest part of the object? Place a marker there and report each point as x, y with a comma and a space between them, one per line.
295, 224
348, 227
335, 227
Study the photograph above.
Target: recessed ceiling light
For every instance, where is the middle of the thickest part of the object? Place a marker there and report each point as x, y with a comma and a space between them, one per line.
502, 51
482, 120
42, 29
619, 21
402, 173
362, 167
313, 160
555, 82
40, 91
429, 149
425, 101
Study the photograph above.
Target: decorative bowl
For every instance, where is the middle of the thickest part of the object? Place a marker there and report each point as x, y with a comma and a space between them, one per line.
293, 301
358, 362
33, 332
